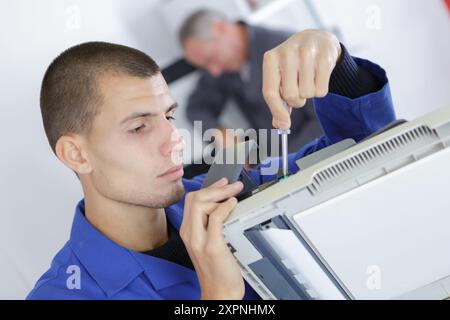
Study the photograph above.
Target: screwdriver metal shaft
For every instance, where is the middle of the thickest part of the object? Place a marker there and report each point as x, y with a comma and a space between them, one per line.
284, 149
284, 145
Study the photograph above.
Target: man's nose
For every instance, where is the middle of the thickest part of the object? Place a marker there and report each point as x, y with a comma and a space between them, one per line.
173, 144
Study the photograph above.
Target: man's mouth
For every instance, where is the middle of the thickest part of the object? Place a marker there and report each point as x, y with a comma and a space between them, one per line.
173, 173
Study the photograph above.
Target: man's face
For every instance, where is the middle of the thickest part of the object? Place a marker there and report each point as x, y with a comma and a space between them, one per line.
217, 55
133, 147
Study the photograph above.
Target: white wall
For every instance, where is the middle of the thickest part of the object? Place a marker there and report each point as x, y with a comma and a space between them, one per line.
38, 194
409, 38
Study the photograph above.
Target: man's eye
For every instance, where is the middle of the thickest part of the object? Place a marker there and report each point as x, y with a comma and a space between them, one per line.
136, 130
170, 118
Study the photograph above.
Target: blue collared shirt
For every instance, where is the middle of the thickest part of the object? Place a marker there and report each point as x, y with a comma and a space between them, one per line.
91, 266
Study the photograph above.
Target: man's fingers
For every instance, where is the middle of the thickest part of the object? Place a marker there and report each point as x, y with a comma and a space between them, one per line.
201, 203
194, 221
217, 218
289, 79
323, 73
193, 230
306, 71
271, 91
219, 193
220, 182
197, 222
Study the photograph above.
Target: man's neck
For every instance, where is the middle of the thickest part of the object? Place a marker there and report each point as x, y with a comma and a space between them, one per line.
133, 227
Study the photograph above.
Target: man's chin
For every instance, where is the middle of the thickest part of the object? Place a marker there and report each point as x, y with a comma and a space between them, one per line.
174, 193
178, 191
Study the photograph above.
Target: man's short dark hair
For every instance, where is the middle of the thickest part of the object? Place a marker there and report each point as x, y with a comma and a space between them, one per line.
70, 95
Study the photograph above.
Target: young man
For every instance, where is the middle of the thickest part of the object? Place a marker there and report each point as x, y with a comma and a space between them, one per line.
143, 232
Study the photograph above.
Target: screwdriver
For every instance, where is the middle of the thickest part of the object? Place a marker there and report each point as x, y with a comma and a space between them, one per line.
284, 146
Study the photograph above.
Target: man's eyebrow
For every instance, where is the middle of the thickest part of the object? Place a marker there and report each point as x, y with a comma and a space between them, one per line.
172, 107
135, 115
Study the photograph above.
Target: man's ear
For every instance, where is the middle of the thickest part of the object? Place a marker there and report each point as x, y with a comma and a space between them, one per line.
69, 149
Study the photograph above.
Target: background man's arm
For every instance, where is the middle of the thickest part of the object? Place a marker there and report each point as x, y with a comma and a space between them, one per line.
206, 104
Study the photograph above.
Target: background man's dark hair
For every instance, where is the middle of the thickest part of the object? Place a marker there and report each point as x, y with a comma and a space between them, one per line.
199, 25
70, 95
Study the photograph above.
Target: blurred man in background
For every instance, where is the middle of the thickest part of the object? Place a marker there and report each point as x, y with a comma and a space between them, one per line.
231, 55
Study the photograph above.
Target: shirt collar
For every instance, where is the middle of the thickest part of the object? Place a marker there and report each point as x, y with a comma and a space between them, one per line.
113, 267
